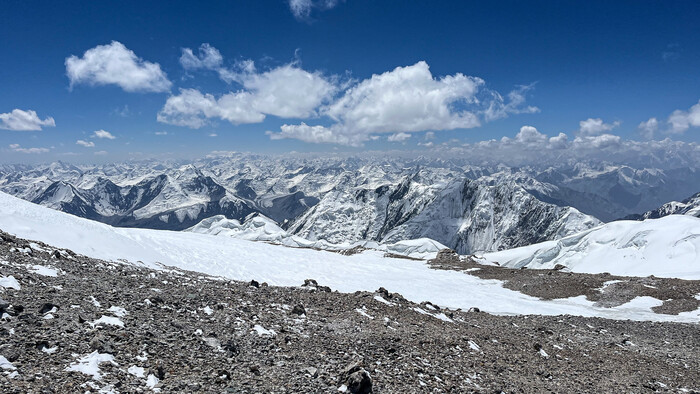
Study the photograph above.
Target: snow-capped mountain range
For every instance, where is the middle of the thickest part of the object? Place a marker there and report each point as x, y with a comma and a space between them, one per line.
345, 200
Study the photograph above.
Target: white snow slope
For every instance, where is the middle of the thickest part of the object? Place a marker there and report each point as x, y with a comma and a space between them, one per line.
261, 228
245, 260
665, 247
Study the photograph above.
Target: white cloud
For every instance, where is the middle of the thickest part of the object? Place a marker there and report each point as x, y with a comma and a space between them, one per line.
17, 148
499, 107
20, 120
406, 99
529, 135
559, 142
208, 58
429, 135
596, 142
301, 9
591, 126
101, 153
398, 137
192, 109
161, 133
680, 121
103, 134
115, 64
316, 134
426, 144
87, 144
213, 135
286, 91
649, 128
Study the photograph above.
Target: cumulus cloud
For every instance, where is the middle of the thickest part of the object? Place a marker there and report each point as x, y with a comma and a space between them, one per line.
115, 64
192, 109
287, 91
17, 148
429, 135
316, 134
103, 134
398, 137
531, 147
680, 121
530, 135
649, 128
87, 144
20, 120
591, 126
596, 142
403, 100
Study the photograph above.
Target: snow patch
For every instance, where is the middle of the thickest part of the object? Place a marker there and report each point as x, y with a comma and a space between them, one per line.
139, 372
110, 320
262, 332
9, 282
44, 270
90, 364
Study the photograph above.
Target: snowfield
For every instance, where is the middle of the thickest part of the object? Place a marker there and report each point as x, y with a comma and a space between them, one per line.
665, 247
277, 265
261, 228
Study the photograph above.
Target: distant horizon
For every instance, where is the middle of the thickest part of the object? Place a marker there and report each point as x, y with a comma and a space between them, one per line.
105, 83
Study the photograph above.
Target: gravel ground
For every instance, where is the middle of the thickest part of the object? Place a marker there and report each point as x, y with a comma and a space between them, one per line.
140, 330
606, 290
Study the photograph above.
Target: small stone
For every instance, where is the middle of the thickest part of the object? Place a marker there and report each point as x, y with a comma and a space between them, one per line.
298, 310
47, 307
254, 283
310, 283
311, 371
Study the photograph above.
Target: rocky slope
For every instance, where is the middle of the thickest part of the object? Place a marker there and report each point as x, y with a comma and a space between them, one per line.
70, 324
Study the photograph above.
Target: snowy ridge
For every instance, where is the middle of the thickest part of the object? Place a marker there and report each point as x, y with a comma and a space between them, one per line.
245, 260
261, 228
349, 199
665, 247
689, 206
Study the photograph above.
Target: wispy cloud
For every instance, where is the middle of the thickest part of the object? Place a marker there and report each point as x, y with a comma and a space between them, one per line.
17, 148
302, 9
87, 144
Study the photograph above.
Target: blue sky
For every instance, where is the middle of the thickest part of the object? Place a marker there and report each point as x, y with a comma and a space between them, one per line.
297, 76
